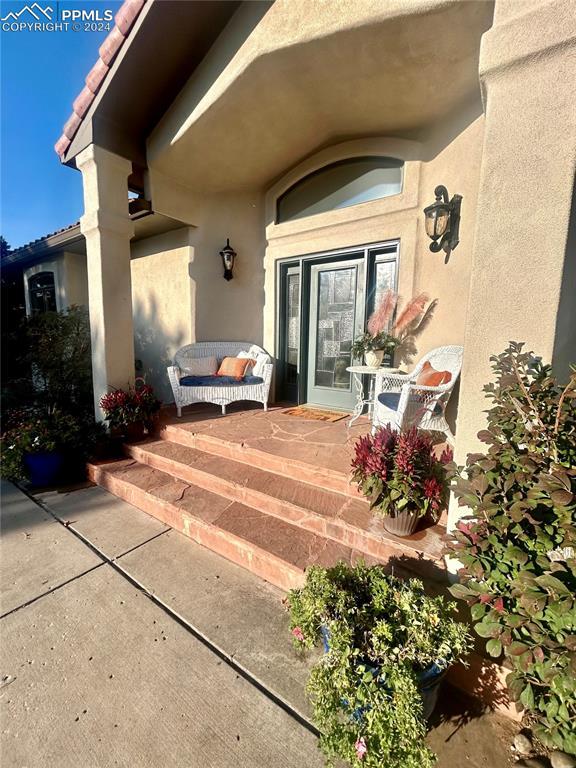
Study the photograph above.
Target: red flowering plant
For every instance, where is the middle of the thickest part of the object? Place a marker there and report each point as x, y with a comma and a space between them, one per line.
123, 407
399, 472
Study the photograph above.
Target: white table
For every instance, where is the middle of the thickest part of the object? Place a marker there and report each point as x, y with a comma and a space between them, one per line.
358, 372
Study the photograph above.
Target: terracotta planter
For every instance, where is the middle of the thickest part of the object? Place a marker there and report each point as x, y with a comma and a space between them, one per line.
374, 358
401, 523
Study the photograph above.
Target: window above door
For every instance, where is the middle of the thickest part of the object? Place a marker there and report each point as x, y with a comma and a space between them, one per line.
340, 185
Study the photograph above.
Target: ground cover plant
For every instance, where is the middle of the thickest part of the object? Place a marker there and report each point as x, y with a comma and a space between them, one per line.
518, 544
381, 635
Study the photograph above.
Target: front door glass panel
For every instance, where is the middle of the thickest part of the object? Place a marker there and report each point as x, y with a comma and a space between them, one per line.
336, 317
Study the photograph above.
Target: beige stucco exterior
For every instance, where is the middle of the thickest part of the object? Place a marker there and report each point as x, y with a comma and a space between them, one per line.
291, 86
163, 303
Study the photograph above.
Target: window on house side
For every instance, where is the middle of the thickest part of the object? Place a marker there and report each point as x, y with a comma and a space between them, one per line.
42, 293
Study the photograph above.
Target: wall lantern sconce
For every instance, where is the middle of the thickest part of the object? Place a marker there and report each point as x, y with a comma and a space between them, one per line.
228, 255
443, 221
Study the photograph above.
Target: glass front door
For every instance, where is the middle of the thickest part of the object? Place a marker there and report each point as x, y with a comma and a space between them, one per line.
336, 317
323, 302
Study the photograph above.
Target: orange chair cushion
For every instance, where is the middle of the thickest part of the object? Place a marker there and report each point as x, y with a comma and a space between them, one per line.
234, 366
430, 377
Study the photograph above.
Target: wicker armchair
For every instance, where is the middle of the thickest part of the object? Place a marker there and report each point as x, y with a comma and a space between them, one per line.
219, 395
401, 402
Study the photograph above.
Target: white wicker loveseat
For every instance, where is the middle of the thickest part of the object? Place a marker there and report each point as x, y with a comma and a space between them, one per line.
211, 390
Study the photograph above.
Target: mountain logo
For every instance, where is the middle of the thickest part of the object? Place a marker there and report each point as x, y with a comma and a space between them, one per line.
35, 10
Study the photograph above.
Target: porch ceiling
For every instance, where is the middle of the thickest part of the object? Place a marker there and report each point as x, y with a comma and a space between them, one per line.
388, 75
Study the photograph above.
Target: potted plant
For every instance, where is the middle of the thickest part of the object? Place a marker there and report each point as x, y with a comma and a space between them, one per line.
129, 411
373, 347
44, 448
400, 474
387, 647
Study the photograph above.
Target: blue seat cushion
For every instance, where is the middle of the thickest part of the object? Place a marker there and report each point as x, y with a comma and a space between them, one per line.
218, 381
391, 400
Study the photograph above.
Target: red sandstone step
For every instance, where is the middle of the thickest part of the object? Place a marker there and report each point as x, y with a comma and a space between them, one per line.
331, 515
274, 550
293, 468
267, 546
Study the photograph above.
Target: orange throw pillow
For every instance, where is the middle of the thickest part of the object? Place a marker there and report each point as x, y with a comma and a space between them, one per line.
430, 377
234, 366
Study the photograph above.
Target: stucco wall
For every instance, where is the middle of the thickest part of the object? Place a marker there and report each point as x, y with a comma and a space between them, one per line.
75, 279
163, 301
222, 309
454, 162
522, 279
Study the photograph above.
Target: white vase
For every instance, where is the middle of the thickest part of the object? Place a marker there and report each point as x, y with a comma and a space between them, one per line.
374, 358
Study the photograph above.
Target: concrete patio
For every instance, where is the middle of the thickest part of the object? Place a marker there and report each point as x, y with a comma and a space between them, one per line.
125, 643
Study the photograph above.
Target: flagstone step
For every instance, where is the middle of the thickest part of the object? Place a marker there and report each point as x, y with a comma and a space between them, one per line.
335, 516
297, 466
269, 547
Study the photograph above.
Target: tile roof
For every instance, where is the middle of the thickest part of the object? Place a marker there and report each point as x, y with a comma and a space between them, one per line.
124, 20
18, 253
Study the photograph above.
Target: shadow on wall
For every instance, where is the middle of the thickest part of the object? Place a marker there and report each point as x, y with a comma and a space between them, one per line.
565, 337
154, 348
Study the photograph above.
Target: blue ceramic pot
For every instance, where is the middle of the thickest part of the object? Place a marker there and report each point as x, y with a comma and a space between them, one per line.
429, 681
43, 467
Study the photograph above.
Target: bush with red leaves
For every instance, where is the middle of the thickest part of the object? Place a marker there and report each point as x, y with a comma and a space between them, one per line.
399, 472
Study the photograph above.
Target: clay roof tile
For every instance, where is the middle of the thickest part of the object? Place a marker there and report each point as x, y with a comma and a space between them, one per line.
96, 75
83, 101
124, 20
111, 46
127, 15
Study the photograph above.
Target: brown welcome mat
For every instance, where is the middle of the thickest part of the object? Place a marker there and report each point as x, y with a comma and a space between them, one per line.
315, 414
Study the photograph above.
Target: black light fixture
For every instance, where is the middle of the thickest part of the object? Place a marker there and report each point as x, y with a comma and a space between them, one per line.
443, 221
228, 255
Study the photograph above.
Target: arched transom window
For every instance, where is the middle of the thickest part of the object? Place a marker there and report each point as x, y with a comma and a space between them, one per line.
340, 185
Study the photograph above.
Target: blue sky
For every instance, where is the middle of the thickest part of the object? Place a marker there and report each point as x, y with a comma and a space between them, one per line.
42, 72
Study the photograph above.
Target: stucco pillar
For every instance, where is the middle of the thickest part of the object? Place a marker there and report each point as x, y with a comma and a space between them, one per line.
523, 279
107, 228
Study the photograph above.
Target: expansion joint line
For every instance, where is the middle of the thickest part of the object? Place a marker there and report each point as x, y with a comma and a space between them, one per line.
227, 658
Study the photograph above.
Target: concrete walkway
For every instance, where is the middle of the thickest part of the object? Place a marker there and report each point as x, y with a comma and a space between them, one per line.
126, 644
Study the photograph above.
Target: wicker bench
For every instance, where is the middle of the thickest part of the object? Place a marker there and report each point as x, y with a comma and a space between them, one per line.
255, 388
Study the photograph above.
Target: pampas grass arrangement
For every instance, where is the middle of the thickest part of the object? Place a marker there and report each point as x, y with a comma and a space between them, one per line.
410, 321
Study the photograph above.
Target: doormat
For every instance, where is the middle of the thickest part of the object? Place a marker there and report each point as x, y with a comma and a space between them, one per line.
315, 414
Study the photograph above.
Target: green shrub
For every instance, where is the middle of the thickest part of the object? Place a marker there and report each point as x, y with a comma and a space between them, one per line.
58, 353
382, 632
518, 545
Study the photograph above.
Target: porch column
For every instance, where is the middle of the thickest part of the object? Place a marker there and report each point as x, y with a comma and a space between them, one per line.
523, 278
107, 228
